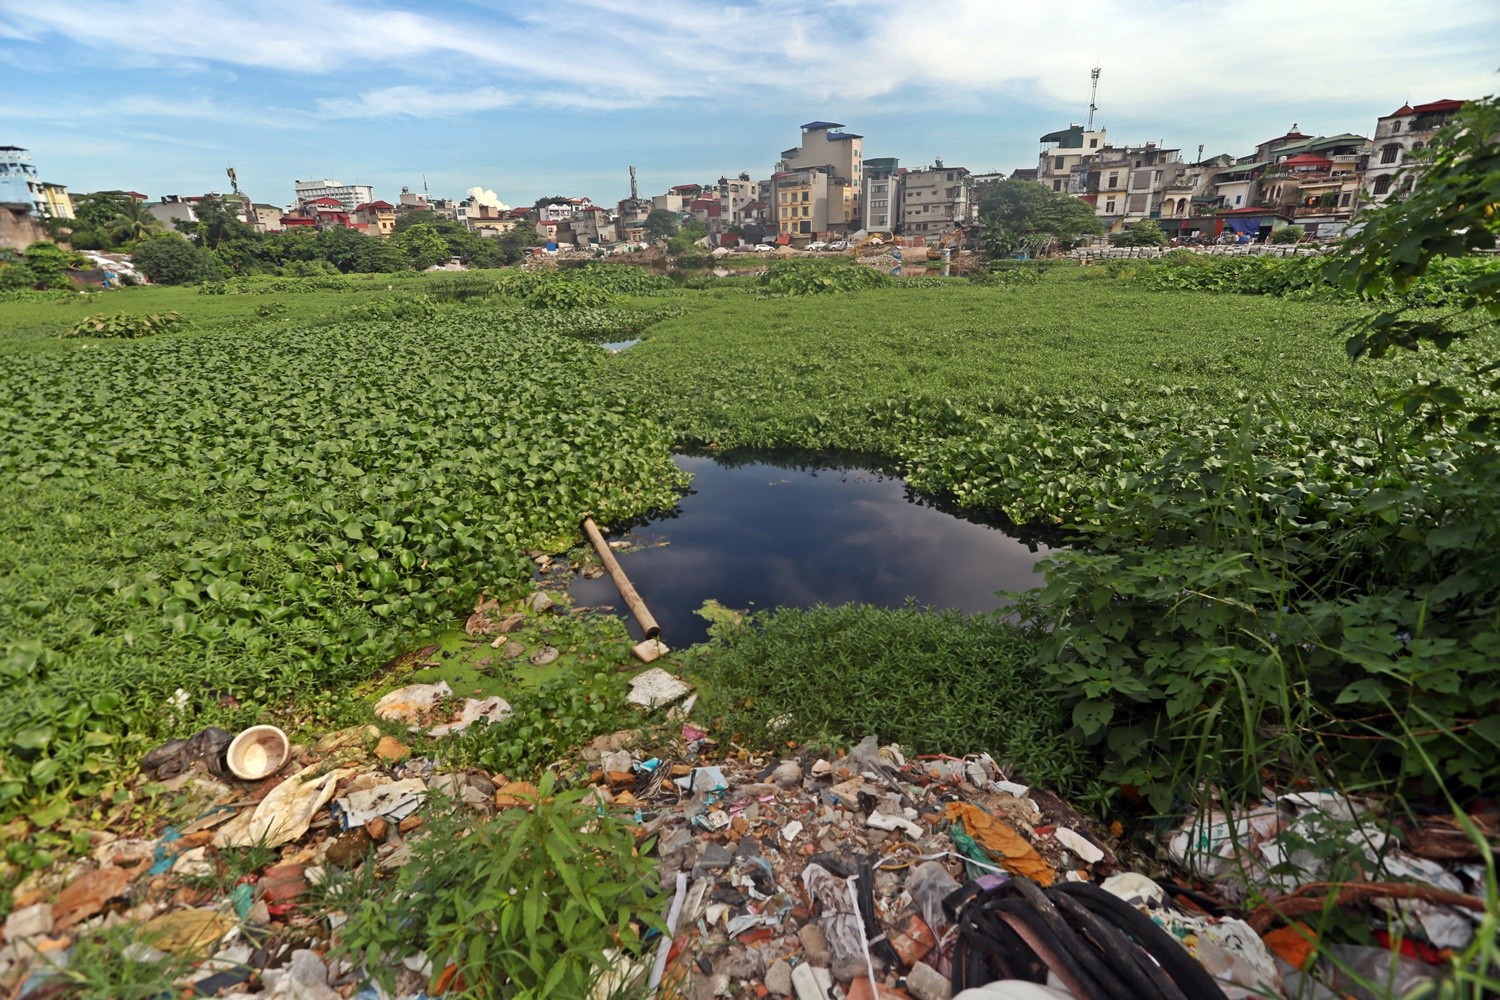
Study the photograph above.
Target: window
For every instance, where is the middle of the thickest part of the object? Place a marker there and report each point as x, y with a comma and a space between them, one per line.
1344, 200
1395, 127
1237, 198
1114, 181
1093, 144
1057, 162
950, 175
1136, 204
804, 211
1109, 207
1382, 184
1389, 153
1057, 185
1416, 147
805, 196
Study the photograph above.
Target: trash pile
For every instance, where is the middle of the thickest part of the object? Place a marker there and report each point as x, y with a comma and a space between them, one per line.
858, 874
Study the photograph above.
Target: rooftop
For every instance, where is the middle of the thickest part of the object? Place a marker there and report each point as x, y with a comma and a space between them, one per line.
817, 126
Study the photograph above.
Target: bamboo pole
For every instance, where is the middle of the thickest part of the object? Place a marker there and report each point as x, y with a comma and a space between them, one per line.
622, 582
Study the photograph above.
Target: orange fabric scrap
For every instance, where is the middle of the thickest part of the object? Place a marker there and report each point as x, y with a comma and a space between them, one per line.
1293, 944
1013, 850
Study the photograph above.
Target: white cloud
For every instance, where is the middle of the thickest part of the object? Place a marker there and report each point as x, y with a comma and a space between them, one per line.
1171, 60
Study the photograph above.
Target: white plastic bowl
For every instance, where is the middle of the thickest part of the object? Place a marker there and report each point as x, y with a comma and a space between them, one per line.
258, 752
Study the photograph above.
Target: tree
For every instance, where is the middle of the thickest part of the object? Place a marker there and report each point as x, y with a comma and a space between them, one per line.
1287, 234
542, 203
49, 264
16, 277
172, 260
1145, 233
660, 224
133, 221
353, 252
1453, 211
216, 222
685, 242
422, 246
1013, 211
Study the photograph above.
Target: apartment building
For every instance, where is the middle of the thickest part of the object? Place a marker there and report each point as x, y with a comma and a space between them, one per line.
18, 181
1398, 135
937, 200
378, 216
1063, 151
838, 155
349, 196
881, 200
802, 201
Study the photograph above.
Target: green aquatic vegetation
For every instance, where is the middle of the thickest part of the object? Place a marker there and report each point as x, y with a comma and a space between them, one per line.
126, 326
815, 277
255, 516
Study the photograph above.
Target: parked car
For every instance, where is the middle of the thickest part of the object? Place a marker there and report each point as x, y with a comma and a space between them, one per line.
816, 245
764, 248
837, 245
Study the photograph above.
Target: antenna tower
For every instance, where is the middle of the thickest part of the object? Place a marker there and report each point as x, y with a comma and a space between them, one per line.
425, 193
633, 195
1093, 93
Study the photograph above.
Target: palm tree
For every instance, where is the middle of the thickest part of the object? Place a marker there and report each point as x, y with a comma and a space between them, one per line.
134, 221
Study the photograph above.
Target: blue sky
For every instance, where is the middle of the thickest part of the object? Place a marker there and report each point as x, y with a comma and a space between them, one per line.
560, 96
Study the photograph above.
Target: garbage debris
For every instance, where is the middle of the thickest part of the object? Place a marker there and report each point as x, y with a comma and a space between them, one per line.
655, 688
176, 757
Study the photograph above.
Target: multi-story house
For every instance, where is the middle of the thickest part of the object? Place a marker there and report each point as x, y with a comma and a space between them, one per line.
59, 202
490, 220
379, 216
838, 155
1063, 151
882, 195
735, 197
937, 200
18, 181
1398, 135
593, 225
678, 199
1316, 181
349, 196
802, 201
267, 218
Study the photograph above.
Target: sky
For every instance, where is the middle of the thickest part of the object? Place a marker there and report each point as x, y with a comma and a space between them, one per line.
560, 97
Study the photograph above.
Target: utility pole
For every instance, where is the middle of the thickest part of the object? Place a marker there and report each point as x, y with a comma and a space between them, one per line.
1093, 93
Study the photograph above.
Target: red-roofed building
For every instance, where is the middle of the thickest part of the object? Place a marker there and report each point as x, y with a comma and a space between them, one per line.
380, 216
1399, 136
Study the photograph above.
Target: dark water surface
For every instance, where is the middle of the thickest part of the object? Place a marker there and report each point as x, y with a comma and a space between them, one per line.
779, 530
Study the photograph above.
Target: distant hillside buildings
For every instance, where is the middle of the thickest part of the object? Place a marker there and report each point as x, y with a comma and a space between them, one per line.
824, 188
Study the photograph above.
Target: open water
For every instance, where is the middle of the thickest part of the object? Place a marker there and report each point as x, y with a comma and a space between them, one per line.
762, 530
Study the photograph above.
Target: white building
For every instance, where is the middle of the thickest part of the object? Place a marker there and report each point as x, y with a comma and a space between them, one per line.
839, 155
937, 200
1398, 135
347, 195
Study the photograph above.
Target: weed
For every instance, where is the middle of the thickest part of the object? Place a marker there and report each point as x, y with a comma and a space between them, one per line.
525, 905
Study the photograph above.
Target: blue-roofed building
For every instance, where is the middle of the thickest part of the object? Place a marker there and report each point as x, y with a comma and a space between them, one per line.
837, 155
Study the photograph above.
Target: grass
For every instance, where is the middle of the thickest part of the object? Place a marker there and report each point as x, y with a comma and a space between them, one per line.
934, 682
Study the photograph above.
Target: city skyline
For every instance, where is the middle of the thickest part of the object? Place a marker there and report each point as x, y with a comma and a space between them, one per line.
161, 96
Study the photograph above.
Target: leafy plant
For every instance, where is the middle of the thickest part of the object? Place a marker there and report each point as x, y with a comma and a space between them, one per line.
126, 326
540, 901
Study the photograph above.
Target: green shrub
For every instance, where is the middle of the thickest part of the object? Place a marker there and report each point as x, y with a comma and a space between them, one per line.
1287, 234
536, 902
17, 277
